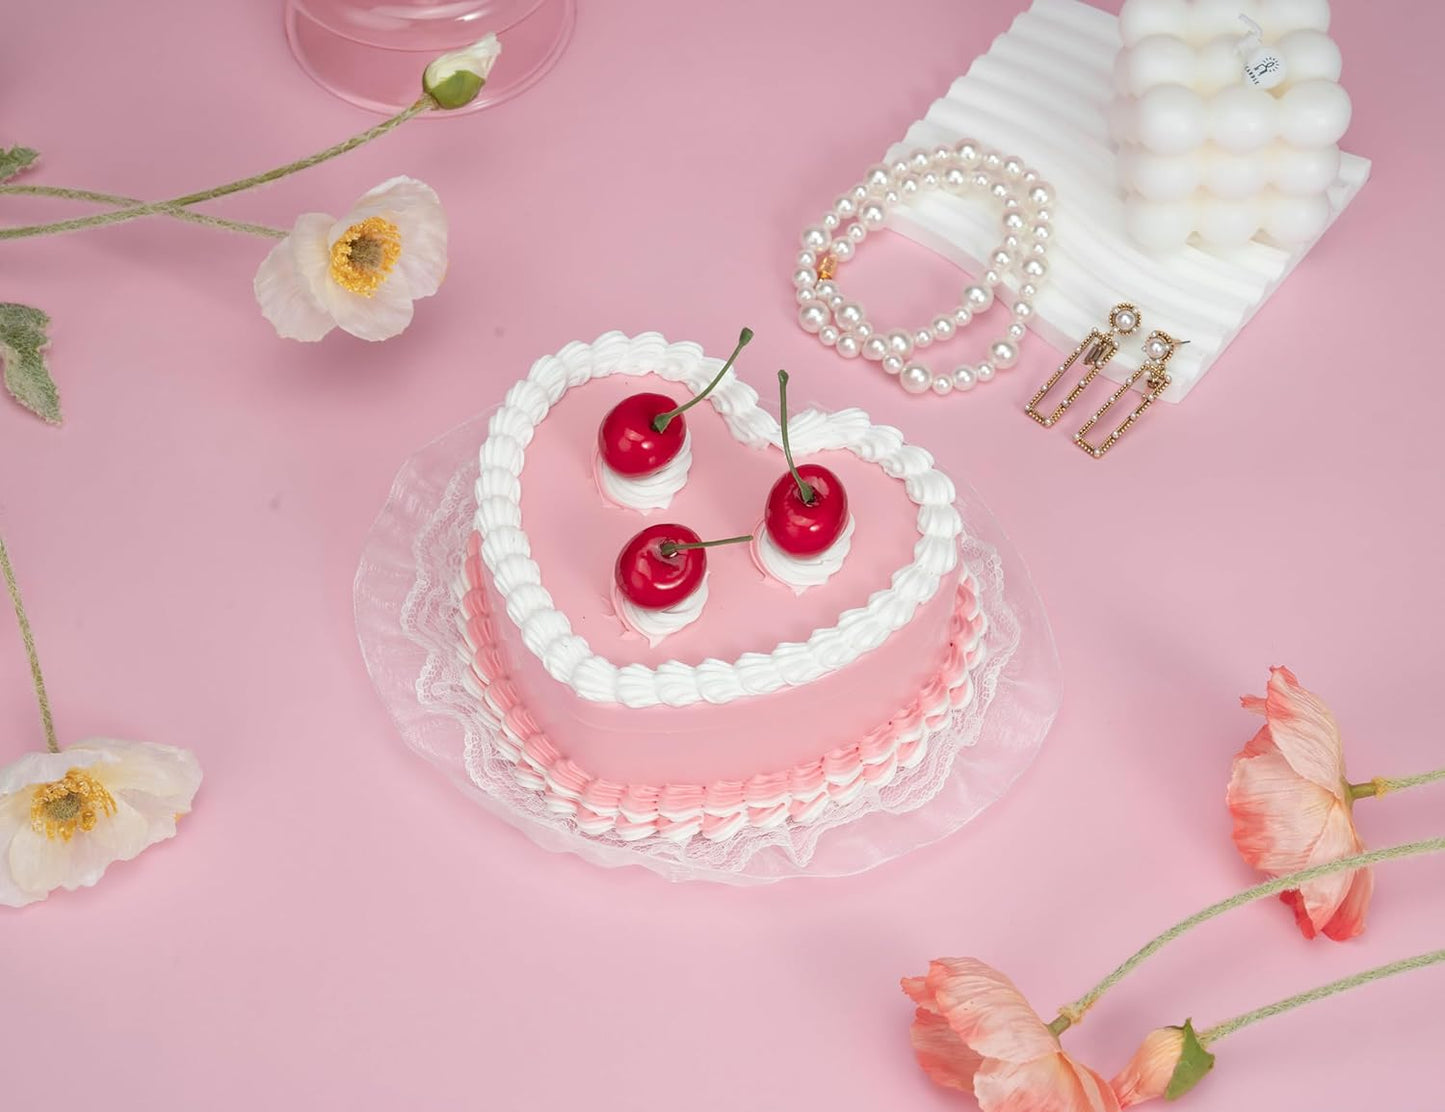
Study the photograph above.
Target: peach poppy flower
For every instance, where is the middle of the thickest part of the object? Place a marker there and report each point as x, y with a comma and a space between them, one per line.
974, 1031
1170, 1062
1293, 807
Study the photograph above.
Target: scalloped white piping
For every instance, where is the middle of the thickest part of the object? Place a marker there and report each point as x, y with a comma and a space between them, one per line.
655, 625
570, 660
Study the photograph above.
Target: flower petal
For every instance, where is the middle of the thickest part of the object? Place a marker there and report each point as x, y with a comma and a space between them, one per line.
941, 1053
415, 209
1304, 730
1053, 1083
1317, 901
1278, 816
143, 771
286, 295
1149, 1072
40, 865
1349, 921
380, 317
988, 1012
42, 768
14, 817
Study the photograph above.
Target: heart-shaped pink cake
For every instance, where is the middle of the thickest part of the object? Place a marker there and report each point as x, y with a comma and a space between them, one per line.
771, 706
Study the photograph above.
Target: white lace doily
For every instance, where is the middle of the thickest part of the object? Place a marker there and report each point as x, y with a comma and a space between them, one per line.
406, 621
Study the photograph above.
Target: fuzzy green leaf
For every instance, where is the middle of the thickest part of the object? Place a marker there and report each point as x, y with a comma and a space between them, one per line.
1194, 1063
14, 160
22, 339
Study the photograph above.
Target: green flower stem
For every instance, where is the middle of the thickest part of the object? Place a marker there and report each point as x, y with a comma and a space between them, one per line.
1073, 1013
123, 202
154, 207
29, 638
1230, 1026
1373, 789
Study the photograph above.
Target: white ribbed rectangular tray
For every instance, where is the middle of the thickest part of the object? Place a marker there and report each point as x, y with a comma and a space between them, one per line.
1043, 92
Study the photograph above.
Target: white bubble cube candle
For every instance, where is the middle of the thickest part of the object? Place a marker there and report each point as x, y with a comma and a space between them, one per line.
1227, 118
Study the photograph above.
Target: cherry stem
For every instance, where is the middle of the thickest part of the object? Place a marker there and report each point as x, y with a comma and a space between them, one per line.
672, 548
662, 420
805, 490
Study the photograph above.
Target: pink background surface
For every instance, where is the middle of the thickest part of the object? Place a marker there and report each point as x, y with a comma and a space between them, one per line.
337, 927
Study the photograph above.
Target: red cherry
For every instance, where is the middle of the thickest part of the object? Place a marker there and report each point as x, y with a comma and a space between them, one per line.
806, 528
647, 578
628, 438
645, 432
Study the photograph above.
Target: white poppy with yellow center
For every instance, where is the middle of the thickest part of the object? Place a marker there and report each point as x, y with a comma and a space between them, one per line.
64, 817
361, 272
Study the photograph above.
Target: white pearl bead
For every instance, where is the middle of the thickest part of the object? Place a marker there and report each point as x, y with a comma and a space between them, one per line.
815, 238
835, 301
1028, 291
966, 152
1000, 191
891, 197
984, 372
862, 330
804, 277
848, 347
1011, 243
1125, 320
1041, 232
992, 278
807, 258
875, 348
1023, 310
1031, 176
981, 180
916, 378
877, 177
805, 295
856, 232
849, 314
892, 364
954, 179
993, 162
928, 179
841, 249
920, 160
908, 186
1016, 332
923, 338
964, 378
942, 385
977, 298
898, 168
1003, 354
1156, 348
942, 154
900, 343
1014, 221
831, 221
1041, 194
1013, 167
872, 214
845, 206
813, 316
859, 193
1035, 267
943, 328
827, 288
1001, 260
1043, 216
829, 334
962, 316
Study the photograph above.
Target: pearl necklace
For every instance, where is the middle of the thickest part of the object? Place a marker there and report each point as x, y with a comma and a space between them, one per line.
961, 169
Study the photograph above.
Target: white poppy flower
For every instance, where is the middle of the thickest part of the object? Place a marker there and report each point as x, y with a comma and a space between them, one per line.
455, 79
64, 817
361, 272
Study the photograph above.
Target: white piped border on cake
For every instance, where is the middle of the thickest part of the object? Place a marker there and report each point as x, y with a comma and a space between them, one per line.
569, 659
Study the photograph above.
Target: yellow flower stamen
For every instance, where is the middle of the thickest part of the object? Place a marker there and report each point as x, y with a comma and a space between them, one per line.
365, 254
61, 807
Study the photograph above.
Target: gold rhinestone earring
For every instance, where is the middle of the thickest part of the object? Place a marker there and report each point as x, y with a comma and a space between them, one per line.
1159, 348
1096, 351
